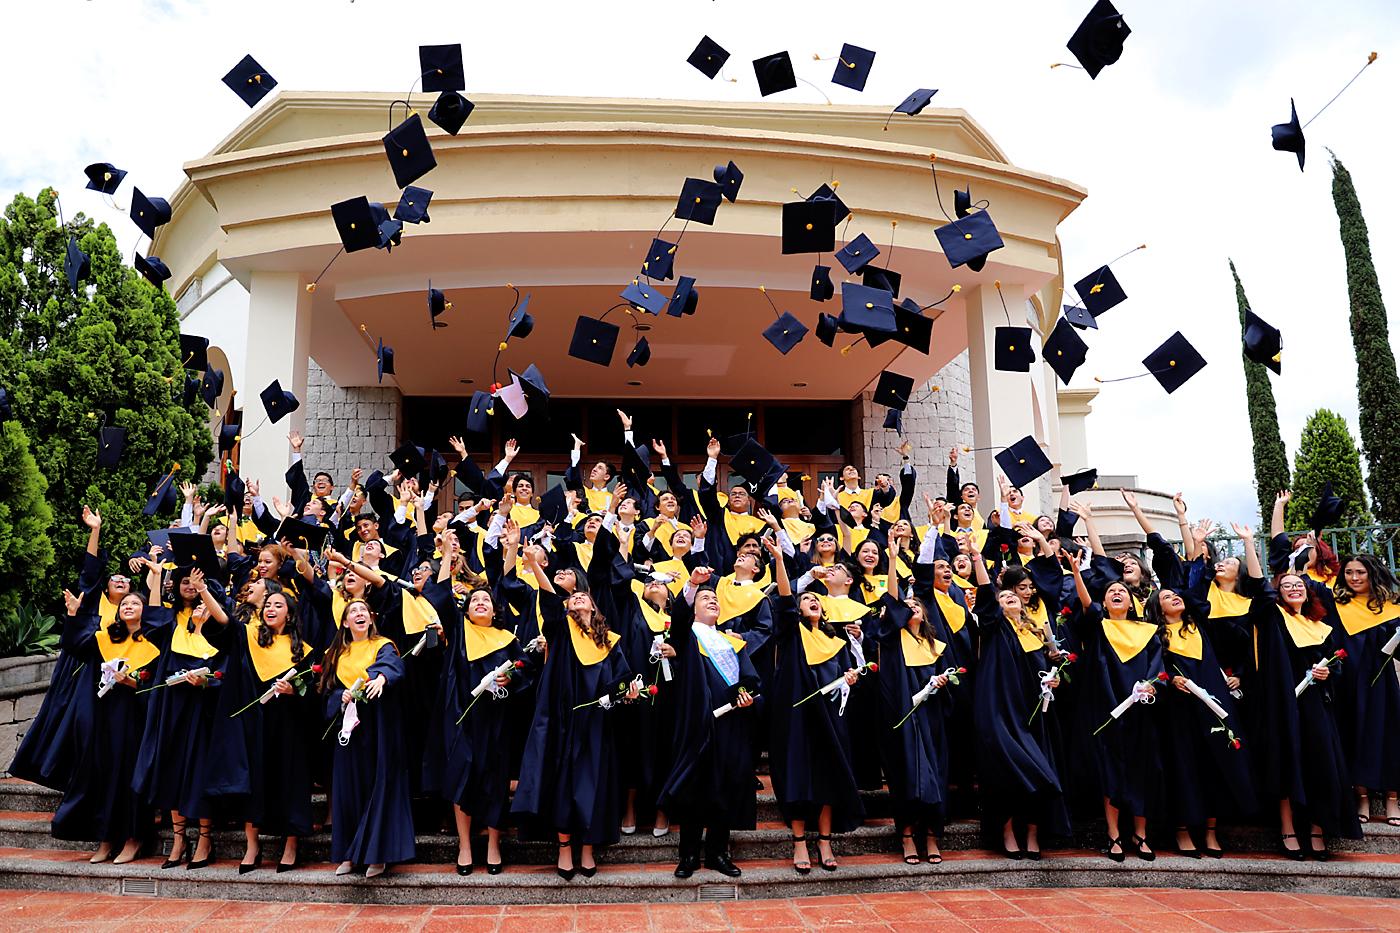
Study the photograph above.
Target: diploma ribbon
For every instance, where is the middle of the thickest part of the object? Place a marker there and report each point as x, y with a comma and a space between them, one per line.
1139, 695
658, 658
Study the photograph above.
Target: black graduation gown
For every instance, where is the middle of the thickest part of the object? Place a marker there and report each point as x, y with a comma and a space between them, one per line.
418, 695
810, 747
568, 773
645, 758
372, 817
1368, 713
1017, 763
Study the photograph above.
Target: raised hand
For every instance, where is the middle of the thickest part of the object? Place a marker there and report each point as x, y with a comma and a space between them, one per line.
296, 441
767, 518
953, 456
700, 576
188, 490
355, 475
92, 518
71, 602
626, 419
578, 442
698, 527
511, 537
512, 448
659, 448
1285, 496
458, 445
1242, 531
712, 448
1129, 498
771, 545
1179, 504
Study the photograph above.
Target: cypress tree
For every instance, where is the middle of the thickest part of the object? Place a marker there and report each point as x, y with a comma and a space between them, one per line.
1270, 456
26, 554
1326, 453
1377, 386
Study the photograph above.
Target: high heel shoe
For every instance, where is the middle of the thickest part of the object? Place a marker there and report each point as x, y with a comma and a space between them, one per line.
1322, 855
803, 867
588, 872
912, 859
1192, 852
1208, 852
1143, 852
827, 864
1297, 854
495, 868
1014, 854
374, 871
566, 873
244, 867
466, 869
205, 832
177, 831
1118, 856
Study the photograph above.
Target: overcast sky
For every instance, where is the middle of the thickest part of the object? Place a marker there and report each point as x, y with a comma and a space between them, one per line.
1172, 143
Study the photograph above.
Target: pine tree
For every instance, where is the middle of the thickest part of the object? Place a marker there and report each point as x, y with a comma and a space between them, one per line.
1377, 386
1326, 452
26, 554
107, 355
1270, 456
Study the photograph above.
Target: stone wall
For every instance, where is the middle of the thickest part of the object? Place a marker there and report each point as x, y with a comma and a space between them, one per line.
348, 428
933, 422
23, 682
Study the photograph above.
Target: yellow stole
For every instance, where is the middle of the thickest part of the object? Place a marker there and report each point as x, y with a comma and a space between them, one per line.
846, 497
738, 643
964, 583
584, 550
190, 644
359, 547
1225, 605
354, 664
656, 620
737, 524
798, 530
1304, 631
272, 661
676, 566
1127, 637
918, 653
878, 582
892, 512
1325, 581
1015, 518
858, 535
481, 640
817, 645
1030, 640
1357, 617
106, 611
1186, 643
585, 649
248, 531
1138, 607
338, 604
1039, 615
598, 499
785, 493
662, 531
418, 613
841, 610
953, 614
137, 653
524, 515
736, 598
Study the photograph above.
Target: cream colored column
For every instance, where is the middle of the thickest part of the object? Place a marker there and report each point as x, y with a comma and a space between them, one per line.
279, 342
1075, 406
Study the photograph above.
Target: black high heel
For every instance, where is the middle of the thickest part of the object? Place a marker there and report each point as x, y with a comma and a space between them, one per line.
826, 865
588, 872
797, 866
495, 868
911, 859
566, 873
1118, 856
177, 831
1192, 852
204, 833
1297, 854
1322, 855
244, 868
1140, 843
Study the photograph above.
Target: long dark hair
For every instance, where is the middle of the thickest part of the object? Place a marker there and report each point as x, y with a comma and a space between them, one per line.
882, 565
1384, 588
824, 624
1152, 610
1312, 607
924, 630
117, 630
1011, 577
341, 643
498, 606
597, 627
289, 628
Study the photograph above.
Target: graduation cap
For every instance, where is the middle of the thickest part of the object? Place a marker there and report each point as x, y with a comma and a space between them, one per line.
413, 206
641, 353
660, 260
894, 421
409, 459
384, 359
278, 402
822, 289
1174, 362
839, 210
1288, 137
104, 177
808, 227
893, 390
1023, 462
554, 505
730, 179
1098, 42
194, 352
160, 537
212, 386
699, 200
709, 57
228, 436
163, 498
1329, 509
865, 309
152, 268
191, 391
594, 340
390, 231
857, 254
250, 81
876, 277
785, 333
1082, 481
76, 264
436, 470
774, 73
437, 304
827, 327
441, 67
1014, 353
1065, 350
111, 441
644, 297
533, 382
853, 67
479, 414
1100, 291
149, 213
197, 550
1262, 341
962, 202
1079, 316
410, 154
753, 462
914, 104
684, 299
356, 224
234, 491
969, 238
450, 111
912, 328
522, 322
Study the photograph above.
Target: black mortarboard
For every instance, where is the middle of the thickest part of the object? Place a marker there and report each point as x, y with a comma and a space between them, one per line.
191, 391
234, 491
1098, 42
152, 268
827, 326
384, 359
1079, 316
104, 177
822, 289
853, 67
1000, 541
1174, 362
436, 470
709, 57
303, 534
356, 224
413, 206
149, 213
1082, 481
684, 298
774, 73
1288, 137
1329, 509
785, 333
912, 328
278, 402
969, 238
554, 505
640, 354
228, 436
644, 297
163, 497
876, 277
536, 392
194, 352
1014, 353
1065, 350
111, 441
479, 414
660, 260
894, 420
160, 537
1262, 341
440, 66
808, 227
699, 200
76, 264
212, 386
839, 210
1023, 462
410, 153
893, 390
857, 254
250, 81
1100, 291
962, 201
7, 409
389, 232
753, 462
197, 550
594, 340
916, 101
409, 459
866, 309
437, 304
730, 179
522, 322
450, 111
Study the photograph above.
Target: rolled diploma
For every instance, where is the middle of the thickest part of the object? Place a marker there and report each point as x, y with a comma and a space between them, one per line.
731, 707
1206, 698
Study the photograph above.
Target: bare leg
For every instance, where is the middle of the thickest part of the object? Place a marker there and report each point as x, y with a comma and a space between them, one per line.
911, 851
289, 850
566, 853
1032, 838
800, 858
1363, 804
1140, 835
1285, 819
206, 840
1110, 816
629, 812
824, 838
493, 846
464, 835
250, 834
1008, 838
585, 857
1212, 842
103, 853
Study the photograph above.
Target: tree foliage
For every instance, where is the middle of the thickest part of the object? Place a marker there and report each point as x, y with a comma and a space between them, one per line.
1270, 456
107, 355
26, 554
1377, 386
1326, 452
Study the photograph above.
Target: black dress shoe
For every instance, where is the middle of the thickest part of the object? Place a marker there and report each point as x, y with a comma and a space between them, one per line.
588, 872
288, 866
1032, 856
465, 869
243, 868
495, 868
688, 866
1208, 852
723, 864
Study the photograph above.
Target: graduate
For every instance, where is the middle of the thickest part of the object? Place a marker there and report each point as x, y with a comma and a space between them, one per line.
361, 676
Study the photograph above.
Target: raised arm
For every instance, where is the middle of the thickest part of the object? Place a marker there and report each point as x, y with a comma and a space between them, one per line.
780, 573
533, 553
1184, 526
1086, 512
93, 519
1131, 501
1276, 519
1251, 554
1080, 589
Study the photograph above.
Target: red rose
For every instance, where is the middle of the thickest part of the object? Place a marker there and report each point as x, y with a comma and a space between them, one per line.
1235, 744
962, 670
315, 668
1005, 548
874, 668
520, 665
653, 690
1163, 677
143, 675
217, 675
1066, 611
1229, 672
1072, 657
1341, 654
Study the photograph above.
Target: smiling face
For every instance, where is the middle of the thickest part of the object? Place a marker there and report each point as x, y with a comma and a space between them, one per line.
422, 574
1132, 570
707, 607
826, 545
1010, 603
355, 584
850, 475
868, 555
118, 585
1293, 589
219, 535
1025, 590
809, 607
1357, 577
372, 552
129, 609
656, 593
257, 591
566, 580
858, 512
600, 474
1117, 598
524, 490
970, 494
962, 566
738, 499
188, 591
267, 563
964, 515
746, 562
1227, 570
591, 526
275, 611
942, 574
681, 542
315, 511
367, 529
358, 619
581, 604
480, 607
1172, 604
322, 485
1015, 498
668, 505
